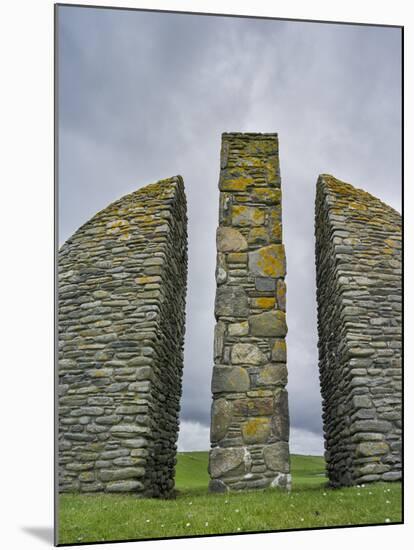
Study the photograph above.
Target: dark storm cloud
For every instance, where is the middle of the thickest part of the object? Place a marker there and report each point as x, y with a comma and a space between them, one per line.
145, 96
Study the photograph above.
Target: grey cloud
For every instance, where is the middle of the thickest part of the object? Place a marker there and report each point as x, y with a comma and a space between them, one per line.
146, 95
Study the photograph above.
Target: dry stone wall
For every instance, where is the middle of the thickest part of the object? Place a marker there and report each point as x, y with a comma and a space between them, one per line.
122, 286
358, 267
249, 416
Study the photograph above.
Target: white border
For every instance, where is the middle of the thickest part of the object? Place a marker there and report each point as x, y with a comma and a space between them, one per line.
26, 50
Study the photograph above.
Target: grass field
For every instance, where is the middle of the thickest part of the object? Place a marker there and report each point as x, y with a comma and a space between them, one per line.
311, 503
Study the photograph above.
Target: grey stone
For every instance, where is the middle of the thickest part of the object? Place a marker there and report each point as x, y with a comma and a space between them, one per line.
392, 476
219, 331
247, 354
269, 323
268, 261
223, 461
231, 302
221, 417
266, 284
271, 375
276, 456
279, 351
238, 329
256, 430
124, 486
280, 418
126, 430
230, 379
372, 448
230, 240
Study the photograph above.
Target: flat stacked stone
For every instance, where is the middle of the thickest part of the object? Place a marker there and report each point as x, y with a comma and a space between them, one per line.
249, 416
122, 287
358, 268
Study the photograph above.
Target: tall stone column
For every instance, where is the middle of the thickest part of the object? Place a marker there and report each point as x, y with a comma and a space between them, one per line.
359, 291
249, 416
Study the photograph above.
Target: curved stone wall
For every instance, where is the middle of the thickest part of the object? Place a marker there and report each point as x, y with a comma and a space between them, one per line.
249, 415
358, 268
122, 286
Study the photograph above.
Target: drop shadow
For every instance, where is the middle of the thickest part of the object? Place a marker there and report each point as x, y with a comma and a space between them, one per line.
43, 533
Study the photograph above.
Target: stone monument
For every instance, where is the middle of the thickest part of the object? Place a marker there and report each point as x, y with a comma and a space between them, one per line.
249, 416
122, 286
358, 268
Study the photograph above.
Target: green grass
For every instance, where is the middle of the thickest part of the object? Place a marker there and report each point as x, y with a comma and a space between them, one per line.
311, 503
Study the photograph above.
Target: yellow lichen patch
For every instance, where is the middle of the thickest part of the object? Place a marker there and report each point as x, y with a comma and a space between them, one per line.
236, 184
116, 226
357, 206
271, 171
279, 351
266, 195
263, 302
147, 280
247, 215
256, 430
237, 258
275, 231
258, 235
391, 243
268, 261
281, 294
125, 237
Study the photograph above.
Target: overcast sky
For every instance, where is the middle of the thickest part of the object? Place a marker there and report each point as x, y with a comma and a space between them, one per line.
145, 96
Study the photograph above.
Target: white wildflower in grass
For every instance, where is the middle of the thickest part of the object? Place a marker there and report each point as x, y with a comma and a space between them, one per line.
237, 510
190, 503
206, 523
162, 525
387, 520
187, 525
148, 520
302, 519
369, 492
226, 502
359, 494
238, 528
324, 494
387, 502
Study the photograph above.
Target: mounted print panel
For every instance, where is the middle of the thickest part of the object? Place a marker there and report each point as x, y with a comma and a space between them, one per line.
195, 396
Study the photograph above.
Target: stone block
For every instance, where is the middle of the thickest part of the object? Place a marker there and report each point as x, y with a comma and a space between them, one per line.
276, 456
247, 354
271, 375
279, 351
247, 215
230, 240
256, 430
224, 461
230, 379
269, 323
268, 261
231, 302
221, 417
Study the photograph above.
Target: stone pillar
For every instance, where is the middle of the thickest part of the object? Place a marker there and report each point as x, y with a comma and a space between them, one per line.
122, 286
358, 268
249, 416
